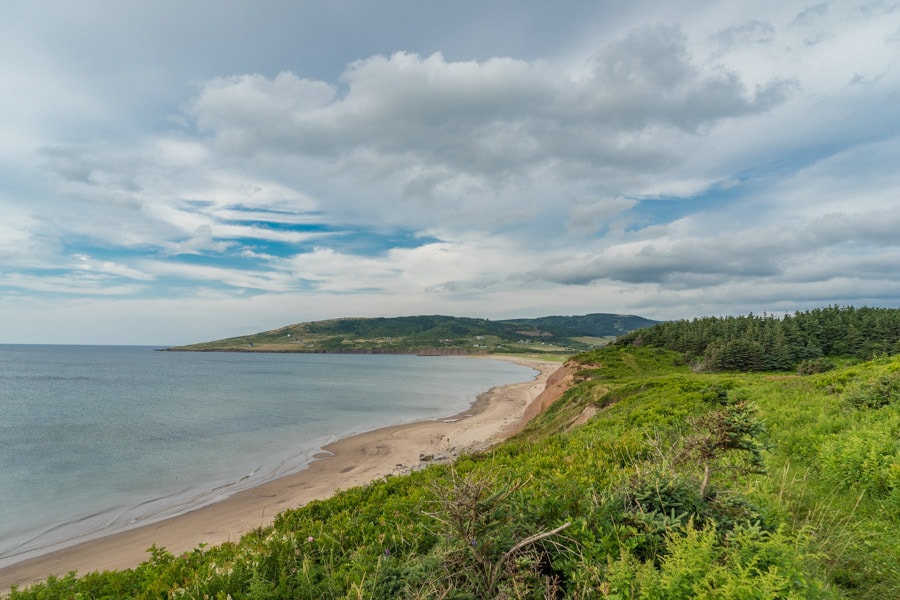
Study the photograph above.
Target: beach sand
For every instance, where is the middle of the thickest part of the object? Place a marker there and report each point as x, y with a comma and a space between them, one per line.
346, 463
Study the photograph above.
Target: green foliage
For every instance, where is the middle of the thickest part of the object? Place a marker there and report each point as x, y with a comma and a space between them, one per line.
719, 435
865, 457
814, 365
875, 392
595, 325
767, 343
751, 563
484, 548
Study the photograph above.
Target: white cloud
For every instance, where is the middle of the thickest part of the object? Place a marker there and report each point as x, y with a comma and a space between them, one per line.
106, 267
477, 136
458, 267
76, 283
241, 279
18, 248
688, 158
859, 178
592, 216
716, 250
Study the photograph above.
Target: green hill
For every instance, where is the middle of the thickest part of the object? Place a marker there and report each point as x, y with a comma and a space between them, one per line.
435, 334
647, 479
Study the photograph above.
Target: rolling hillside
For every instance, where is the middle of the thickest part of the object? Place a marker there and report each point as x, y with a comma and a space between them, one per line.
435, 334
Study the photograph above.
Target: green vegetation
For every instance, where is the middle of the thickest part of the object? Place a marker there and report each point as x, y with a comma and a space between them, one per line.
436, 334
680, 484
802, 340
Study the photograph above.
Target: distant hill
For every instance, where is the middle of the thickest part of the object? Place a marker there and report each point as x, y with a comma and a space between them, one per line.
597, 324
435, 334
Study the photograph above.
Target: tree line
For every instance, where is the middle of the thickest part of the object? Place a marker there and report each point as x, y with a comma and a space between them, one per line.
802, 340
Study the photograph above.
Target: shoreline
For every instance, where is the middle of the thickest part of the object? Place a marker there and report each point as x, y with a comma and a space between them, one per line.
342, 464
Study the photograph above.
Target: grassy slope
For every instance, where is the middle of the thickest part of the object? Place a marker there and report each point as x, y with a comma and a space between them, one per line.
822, 521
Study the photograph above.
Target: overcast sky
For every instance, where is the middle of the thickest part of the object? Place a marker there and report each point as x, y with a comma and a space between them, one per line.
173, 172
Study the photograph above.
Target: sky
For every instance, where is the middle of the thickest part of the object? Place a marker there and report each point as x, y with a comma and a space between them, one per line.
175, 172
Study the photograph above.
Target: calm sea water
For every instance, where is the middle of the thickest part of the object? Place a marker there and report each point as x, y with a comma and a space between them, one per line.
95, 439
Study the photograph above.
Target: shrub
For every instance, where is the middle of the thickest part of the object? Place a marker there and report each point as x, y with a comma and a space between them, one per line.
812, 366
722, 434
754, 563
482, 548
875, 393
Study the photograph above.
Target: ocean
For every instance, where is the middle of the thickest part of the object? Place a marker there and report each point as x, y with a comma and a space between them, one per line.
96, 439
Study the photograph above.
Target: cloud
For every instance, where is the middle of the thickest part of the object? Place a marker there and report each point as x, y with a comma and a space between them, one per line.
477, 117
18, 247
245, 110
457, 267
170, 195
593, 216
242, 279
669, 261
76, 283
829, 245
434, 141
753, 31
675, 160
108, 268
834, 219
647, 78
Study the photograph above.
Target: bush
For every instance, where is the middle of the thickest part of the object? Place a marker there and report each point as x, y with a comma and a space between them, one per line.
753, 563
875, 393
814, 365
483, 548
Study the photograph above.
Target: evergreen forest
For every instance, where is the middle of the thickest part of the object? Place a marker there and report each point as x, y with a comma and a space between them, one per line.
769, 343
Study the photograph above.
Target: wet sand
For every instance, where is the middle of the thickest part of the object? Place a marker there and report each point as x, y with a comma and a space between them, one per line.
346, 463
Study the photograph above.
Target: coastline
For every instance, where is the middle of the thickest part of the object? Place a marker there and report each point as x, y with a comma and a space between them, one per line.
345, 463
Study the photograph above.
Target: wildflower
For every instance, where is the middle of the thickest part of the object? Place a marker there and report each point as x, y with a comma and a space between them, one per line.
310, 539
387, 551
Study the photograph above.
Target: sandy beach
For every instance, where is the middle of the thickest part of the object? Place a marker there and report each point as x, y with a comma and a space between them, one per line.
343, 464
